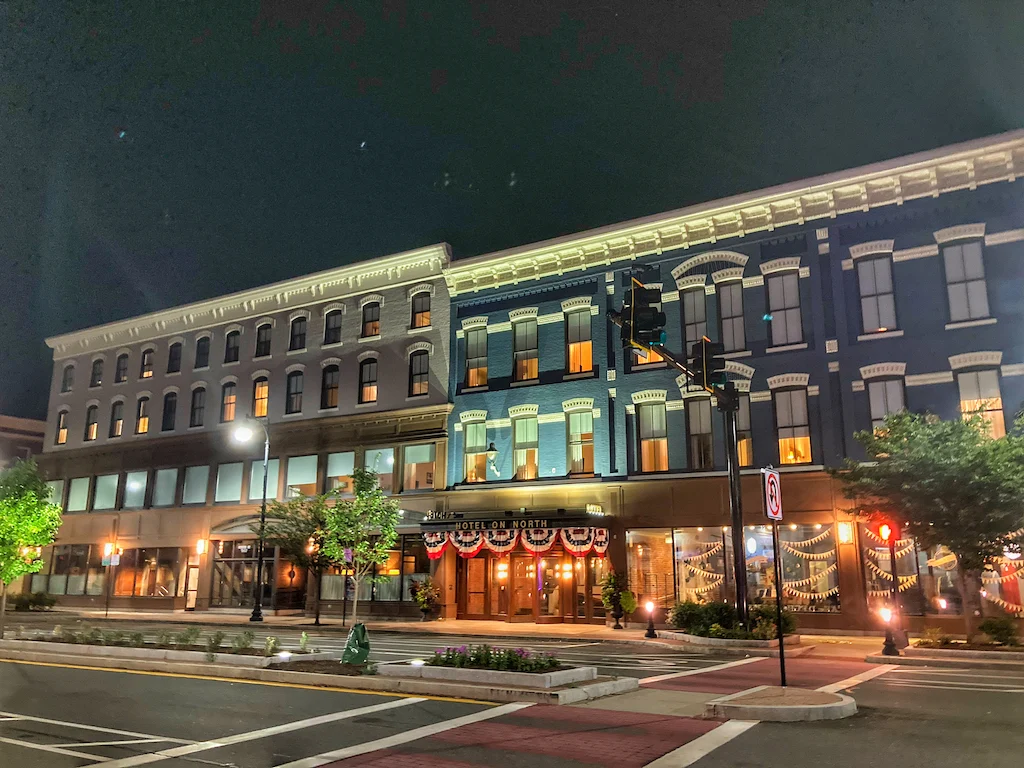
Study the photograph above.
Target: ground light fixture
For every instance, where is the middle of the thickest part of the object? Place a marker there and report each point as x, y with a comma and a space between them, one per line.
650, 620
243, 433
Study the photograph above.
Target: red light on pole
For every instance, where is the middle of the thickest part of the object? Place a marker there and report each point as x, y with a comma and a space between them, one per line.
885, 532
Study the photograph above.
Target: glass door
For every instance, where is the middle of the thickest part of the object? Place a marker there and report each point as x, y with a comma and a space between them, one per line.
523, 569
498, 594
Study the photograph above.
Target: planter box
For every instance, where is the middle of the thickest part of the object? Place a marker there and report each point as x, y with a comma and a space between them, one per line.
491, 677
721, 642
951, 653
153, 654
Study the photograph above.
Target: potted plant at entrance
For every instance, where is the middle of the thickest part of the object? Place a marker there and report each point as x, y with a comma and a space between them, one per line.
617, 598
426, 594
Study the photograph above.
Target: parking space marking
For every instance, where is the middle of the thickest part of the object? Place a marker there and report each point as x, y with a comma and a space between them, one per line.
53, 749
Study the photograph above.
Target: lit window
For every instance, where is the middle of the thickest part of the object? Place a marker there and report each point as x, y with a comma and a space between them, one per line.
476, 451
339, 471
174, 358
695, 318
979, 394
652, 358
301, 477
419, 373
231, 344
885, 397
730, 306
293, 393
698, 422
330, 381
170, 412
260, 396
784, 308
96, 377
368, 381
142, 416
381, 461
418, 467
579, 347
263, 337
371, 319
67, 379
62, 428
197, 481
794, 427
421, 310
526, 447
116, 419
581, 442
146, 368
92, 426
332, 327
198, 410
525, 350
744, 437
202, 352
227, 402
476, 357
965, 281
165, 487
121, 369
877, 305
653, 430
135, 489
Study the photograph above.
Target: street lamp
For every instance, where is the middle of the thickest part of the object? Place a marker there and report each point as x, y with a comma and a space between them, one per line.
650, 620
889, 534
243, 434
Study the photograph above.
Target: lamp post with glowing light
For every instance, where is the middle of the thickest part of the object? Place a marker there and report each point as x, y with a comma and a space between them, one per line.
650, 620
243, 434
888, 534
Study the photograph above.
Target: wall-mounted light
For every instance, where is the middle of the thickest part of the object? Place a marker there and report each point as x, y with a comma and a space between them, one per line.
108, 549
845, 532
201, 547
492, 455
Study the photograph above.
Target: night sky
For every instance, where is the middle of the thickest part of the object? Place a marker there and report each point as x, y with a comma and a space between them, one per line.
156, 152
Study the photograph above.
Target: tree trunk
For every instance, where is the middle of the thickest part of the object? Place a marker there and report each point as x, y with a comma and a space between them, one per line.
318, 575
355, 601
3, 606
969, 584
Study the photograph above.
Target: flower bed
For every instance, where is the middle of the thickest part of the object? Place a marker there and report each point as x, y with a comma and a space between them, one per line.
496, 659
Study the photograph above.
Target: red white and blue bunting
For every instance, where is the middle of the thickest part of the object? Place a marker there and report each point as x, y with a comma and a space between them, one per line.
468, 543
436, 543
501, 541
601, 539
578, 541
538, 540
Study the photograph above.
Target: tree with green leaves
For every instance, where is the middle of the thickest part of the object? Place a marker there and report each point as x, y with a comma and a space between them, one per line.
361, 531
28, 522
944, 483
298, 527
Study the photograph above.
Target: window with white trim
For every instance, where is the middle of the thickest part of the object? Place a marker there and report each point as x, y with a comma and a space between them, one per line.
730, 310
67, 379
170, 412
877, 304
744, 435
116, 419
419, 373
121, 369
476, 451
146, 366
579, 346
368, 380
142, 416
197, 410
885, 396
202, 353
794, 429
652, 427
260, 397
174, 358
695, 317
62, 428
92, 423
232, 342
264, 335
965, 281
228, 399
698, 428
525, 447
421, 310
524, 346
96, 376
332, 327
329, 383
293, 393
980, 395
580, 431
297, 337
371, 319
476, 357
784, 308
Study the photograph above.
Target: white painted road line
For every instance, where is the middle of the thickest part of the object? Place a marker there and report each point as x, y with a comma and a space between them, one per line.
84, 727
110, 743
702, 670
402, 738
863, 677
955, 688
262, 733
688, 754
54, 750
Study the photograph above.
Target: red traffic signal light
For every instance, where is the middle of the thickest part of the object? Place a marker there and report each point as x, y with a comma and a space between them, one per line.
888, 532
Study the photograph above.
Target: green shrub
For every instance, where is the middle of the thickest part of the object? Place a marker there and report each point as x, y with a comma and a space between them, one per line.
136, 639
42, 601
214, 642
487, 657
92, 636
304, 643
698, 618
111, 637
1002, 630
163, 638
21, 602
762, 621
271, 646
719, 612
686, 615
187, 638
628, 602
243, 641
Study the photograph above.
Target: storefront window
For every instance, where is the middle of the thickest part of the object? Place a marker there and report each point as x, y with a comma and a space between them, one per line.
165, 483
78, 494
415, 563
135, 489
197, 479
878, 572
301, 476
124, 573
388, 588
339, 471
256, 480
157, 572
419, 467
810, 570
381, 461
700, 563
649, 559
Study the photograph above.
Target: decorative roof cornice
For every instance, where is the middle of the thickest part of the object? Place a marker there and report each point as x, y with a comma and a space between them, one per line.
400, 269
925, 174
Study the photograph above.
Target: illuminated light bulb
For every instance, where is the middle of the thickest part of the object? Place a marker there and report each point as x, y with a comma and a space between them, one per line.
649, 606
725, 529
886, 614
751, 545
942, 603
845, 533
817, 526
792, 526
700, 529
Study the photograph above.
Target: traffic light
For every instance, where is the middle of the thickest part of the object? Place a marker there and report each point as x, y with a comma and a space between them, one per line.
642, 318
888, 533
707, 366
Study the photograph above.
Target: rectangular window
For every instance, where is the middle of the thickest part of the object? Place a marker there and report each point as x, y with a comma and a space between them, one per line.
104, 492
229, 482
256, 480
979, 394
260, 397
652, 358
381, 461
418, 467
165, 486
579, 347
78, 494
169, 413
56, 491
92, 425
784, 308
368, 381
331, 380
877, 305
695, 318
146, 369
332, 327
698, 422
524, 346
581, 442
96, 377
263, 336
135, 489
156, 572
198, 410
293, 395
297, 339
197, 483
339, 471
526, 447
744, 436
231, 344
371, 320
653, 429
116, 419
228, 398
421, 310
62, 428
301, 479
476, 451
142, 416
476, 357
794, 426
965, 281
730, 306
121, 369
202, 353
419, 373
885, 397
174, 358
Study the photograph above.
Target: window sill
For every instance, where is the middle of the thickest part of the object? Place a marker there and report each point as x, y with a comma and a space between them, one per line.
581, 375
95, 386
332, 345
173, 373
295, 415
420, 329
116, 384
298, 351
233, 362
204, 368
362, 339
424, 396
333, 409
786, 348
526, 383
261, 358
648, 367
738, 353
366, 405
471, 390
971, 323
880, 335
193, 429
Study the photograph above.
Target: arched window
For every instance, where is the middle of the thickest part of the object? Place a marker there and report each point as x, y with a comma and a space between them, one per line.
62, 428
419, 373
231, 343
146, 367
297, 338
227, 402
293, 393
263, 335
368, 381
174, 358
96, 377
170, 412
421, 310
332, 327
67, 379
329, 387
371, 319
260, 396
142, 416
116, 419
198, 409
91, 422
121, 369
202, 352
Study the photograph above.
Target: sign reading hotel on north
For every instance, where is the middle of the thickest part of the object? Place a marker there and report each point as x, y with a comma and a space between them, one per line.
499, 525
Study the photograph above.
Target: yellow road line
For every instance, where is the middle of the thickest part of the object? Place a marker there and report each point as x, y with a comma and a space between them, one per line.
271, 683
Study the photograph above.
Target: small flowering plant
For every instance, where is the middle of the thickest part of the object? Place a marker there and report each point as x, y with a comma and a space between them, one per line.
488, 657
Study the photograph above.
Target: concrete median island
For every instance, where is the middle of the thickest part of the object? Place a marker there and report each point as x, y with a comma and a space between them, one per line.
781, 705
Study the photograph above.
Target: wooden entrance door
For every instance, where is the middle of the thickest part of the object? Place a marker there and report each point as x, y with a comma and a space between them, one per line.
522, 587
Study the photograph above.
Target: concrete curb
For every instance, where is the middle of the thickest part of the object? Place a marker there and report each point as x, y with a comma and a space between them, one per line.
945, 663
948, 653
725, 707
719, 643
367, 683
556, 679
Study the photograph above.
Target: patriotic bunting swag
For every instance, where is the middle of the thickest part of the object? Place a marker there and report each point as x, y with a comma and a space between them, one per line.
500, 541
578, 541
436, 543
600, 541
468, 543
538, 540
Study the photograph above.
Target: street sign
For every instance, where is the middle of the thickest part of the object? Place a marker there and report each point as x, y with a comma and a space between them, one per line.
772, 494
115, 559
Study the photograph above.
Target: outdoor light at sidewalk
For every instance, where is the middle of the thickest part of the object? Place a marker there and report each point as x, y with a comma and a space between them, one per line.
845, 533
650, 620
108, 549
886, 614
942, 603
201, 547
242, 434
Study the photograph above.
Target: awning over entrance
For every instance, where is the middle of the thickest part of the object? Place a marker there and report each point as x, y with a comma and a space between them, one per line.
580, 541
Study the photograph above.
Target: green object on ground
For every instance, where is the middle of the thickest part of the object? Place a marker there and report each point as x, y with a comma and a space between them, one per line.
357, 646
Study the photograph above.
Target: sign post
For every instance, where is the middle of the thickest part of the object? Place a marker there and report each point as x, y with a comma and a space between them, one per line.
773, 509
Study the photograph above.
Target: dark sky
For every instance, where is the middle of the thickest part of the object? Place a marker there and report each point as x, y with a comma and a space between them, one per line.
155, 152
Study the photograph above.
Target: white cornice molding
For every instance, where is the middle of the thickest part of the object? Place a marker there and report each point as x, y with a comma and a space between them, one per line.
746, 371
523, 313
303, 313
197, 384
474, 322
419, 346
778, 265
371, 298
367, 355
722, 275
392, 271
478, 415
335, 305
883, 369
972, 359
578, 404
961, 232
866, 249
788, 380
295, 367
420, 288
708, 258
330, 361
517, 411
691, 281
262, 373
573, 305
649, 396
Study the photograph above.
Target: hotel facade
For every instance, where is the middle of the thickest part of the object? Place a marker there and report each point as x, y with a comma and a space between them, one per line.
543, 455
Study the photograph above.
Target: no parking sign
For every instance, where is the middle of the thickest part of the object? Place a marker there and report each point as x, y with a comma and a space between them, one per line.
772, 494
